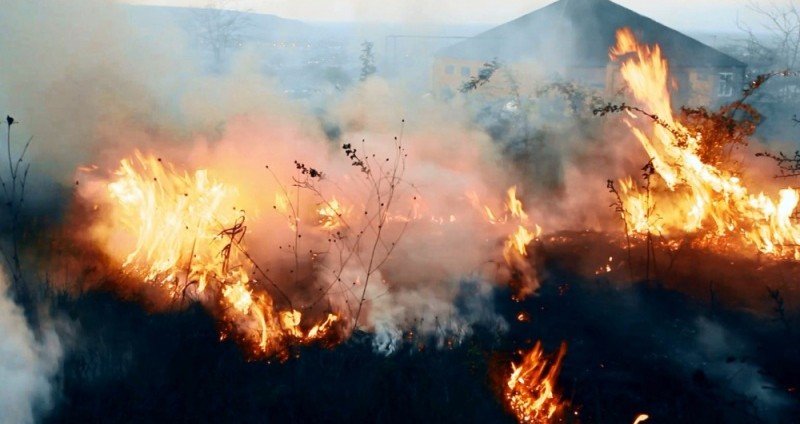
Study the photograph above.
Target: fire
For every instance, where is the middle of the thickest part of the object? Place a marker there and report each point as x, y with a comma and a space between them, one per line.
518, 242
187, 240
331, 215
691, 196
530, 389
179, 236
515, 205
283, 206
291, 324
173, 217
515, 250
641, 418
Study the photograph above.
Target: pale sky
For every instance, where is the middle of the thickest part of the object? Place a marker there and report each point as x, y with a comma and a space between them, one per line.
713, 15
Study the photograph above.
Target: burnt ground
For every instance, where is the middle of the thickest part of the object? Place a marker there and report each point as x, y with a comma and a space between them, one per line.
633, 348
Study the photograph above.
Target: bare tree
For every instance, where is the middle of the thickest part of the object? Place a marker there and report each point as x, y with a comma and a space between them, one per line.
220, 29
780, 41
485, 74
367, 60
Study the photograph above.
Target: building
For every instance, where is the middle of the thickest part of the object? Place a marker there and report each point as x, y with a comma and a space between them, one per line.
570, 40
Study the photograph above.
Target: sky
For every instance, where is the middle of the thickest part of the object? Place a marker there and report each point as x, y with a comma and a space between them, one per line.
709, 15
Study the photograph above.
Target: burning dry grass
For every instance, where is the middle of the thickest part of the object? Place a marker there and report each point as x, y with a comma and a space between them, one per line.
694, 224
188, 242
331, 259
522, 278
378, 236
531, 392
324, 260
688, 188
298, 255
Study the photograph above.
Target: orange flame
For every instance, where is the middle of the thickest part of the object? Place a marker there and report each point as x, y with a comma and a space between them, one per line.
186, 240
515, 249
331, 215
519, 240
530, 389
693, 196
173, 218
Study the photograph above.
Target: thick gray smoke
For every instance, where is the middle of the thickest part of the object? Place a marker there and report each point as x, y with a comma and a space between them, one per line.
28, 361
68, 67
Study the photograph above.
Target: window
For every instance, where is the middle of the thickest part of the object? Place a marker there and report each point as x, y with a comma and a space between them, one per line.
465, 71
725, 87
449, 69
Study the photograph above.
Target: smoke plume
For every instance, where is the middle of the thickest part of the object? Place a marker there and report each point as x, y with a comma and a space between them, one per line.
28, 362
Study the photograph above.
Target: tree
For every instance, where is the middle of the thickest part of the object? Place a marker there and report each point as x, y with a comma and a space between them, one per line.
484, 76
780, 44
220, 29
367, 60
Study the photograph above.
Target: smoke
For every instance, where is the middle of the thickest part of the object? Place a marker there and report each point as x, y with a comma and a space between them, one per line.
69, 66
28, 362
721, 359
90, 88
134, 92
437, 235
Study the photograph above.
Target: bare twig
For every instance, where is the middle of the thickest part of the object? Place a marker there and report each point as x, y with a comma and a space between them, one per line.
779, 307
619, 207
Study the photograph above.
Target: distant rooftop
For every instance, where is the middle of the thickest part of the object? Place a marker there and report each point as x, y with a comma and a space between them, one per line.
586, 29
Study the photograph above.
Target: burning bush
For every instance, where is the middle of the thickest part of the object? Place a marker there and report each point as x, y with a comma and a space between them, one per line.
691, 186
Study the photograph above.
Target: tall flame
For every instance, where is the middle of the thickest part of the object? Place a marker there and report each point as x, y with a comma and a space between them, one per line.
692, 196
515, 248
173, 216
188, 242
530, 390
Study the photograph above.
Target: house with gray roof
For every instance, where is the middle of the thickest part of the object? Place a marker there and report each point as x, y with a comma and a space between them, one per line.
569, 40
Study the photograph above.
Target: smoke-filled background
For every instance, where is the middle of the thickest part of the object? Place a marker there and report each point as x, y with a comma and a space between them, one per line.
245, 95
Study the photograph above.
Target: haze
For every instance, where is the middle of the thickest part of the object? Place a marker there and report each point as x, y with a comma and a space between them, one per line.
700, 15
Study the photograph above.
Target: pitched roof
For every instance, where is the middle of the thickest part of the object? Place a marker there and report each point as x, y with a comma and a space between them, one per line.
586, 29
